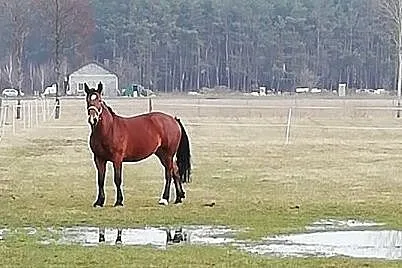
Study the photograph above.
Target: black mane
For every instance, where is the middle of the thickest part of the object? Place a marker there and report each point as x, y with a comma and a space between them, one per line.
110, 109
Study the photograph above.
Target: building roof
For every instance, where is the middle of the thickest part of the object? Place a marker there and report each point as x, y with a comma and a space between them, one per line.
92, 68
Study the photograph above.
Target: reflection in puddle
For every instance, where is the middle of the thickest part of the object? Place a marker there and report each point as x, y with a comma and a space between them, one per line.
157, 237
358, 244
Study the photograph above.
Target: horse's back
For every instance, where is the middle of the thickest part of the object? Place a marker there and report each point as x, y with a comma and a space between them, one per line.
160, 121
168, 128
147, 132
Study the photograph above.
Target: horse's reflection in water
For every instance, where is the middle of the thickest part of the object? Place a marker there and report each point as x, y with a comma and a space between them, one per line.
179, 236
172, 236
101, 235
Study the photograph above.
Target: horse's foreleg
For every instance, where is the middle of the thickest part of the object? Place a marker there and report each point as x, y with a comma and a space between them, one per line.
117, 165
101, 167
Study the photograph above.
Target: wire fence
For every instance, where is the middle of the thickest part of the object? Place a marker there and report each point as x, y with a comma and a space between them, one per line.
289, 118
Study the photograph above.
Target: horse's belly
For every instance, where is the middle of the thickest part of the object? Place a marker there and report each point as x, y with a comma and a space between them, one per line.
140, 150
137, 156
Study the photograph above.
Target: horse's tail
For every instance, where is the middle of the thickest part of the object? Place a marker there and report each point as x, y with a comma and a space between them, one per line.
183, 156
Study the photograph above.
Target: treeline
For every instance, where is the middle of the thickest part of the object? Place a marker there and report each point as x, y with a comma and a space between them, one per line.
181, 45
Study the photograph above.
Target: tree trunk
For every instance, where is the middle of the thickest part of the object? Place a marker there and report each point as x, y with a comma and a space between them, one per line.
227, 57
173, 77
57, 47
198, 65
166, 70
31, 77
217, 78
42, 77
399, 83
9, 70
18, 58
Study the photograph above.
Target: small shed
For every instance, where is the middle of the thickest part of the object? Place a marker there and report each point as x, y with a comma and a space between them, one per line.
93, 73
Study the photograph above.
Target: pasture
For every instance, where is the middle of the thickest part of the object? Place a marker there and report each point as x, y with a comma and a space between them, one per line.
343, 161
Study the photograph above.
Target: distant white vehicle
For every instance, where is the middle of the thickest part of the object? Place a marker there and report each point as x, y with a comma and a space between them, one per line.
302, 90
316, 90
380, 91
193, 93
11, 92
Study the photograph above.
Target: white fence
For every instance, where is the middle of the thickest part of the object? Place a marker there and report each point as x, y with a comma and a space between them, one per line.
16, 117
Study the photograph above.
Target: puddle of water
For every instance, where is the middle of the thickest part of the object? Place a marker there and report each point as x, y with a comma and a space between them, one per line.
329, 238
330, 224
358, 244
157, 237
3, 233
324, 238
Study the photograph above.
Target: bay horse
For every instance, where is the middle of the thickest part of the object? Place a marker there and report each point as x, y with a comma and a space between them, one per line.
120, 139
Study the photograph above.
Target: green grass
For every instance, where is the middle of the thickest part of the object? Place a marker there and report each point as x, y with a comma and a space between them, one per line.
32, 255
47, 179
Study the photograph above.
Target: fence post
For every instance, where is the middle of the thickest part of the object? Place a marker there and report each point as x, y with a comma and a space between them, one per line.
29, 115
288, 125
43, 110
24, 114
36, 113
199, 107
2, 123
1, 116
150, 105
48, 111
4, 119
57, 109
14, 117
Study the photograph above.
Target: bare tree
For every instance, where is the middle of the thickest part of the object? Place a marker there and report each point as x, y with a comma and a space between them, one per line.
392, 11
70, 23
18, 12
8, 70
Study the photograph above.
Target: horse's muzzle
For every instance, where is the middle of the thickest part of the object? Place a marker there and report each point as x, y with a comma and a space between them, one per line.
93, 115
93, 120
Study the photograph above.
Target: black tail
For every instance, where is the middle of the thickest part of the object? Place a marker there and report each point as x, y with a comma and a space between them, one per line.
183, 155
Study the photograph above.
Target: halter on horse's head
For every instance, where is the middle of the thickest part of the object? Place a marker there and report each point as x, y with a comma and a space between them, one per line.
94, 104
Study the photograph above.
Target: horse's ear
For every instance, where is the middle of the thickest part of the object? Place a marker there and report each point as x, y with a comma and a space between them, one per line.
86, 88
100, 87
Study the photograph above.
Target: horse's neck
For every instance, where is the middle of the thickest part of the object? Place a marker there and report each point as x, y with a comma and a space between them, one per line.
105, 124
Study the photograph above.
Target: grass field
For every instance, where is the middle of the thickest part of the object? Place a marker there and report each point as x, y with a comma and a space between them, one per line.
341, 163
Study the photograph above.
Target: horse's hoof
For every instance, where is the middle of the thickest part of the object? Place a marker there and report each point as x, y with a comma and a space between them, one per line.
118, 204
163, 202
97, 205
178, 201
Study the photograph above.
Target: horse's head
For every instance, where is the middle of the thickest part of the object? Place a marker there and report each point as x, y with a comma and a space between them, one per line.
94, 103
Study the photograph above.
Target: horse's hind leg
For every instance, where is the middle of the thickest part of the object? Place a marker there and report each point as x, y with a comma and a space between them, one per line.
180, 194
167, 163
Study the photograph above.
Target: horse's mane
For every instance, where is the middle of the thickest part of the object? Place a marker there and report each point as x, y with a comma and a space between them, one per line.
110, 109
